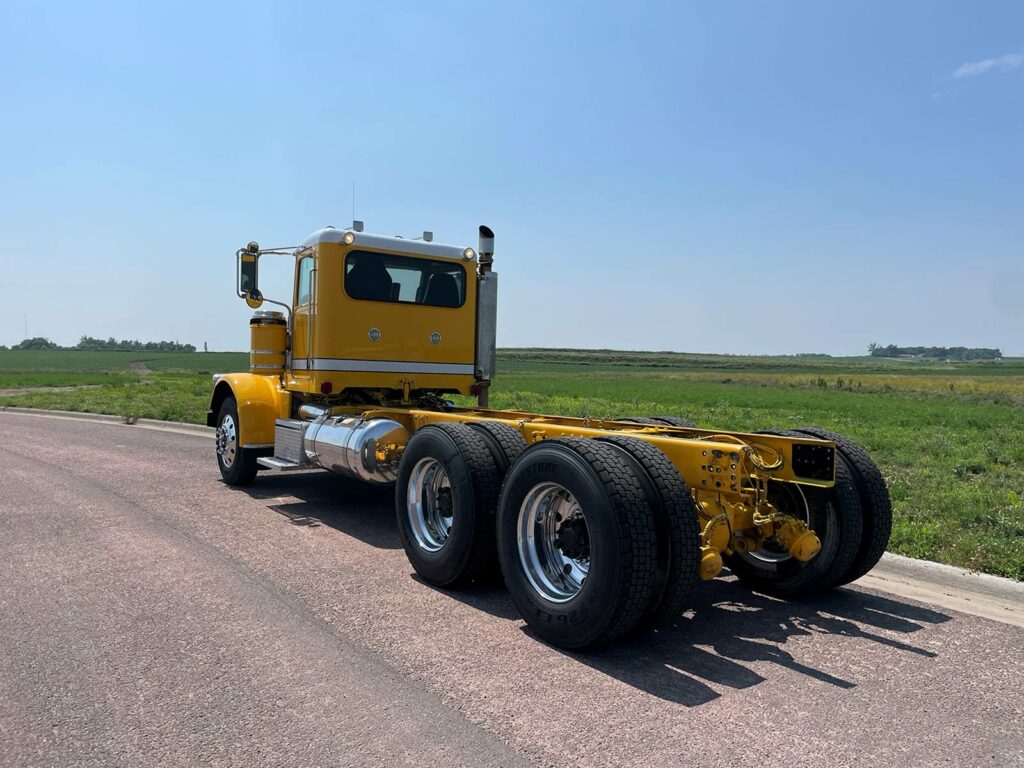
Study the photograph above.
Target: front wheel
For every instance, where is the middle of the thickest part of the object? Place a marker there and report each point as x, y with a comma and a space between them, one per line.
237, 465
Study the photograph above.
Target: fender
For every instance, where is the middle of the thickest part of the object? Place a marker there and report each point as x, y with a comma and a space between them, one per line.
261, 401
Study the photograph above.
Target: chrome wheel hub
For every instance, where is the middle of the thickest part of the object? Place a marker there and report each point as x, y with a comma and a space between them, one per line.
553, 541
430, 504
227, 441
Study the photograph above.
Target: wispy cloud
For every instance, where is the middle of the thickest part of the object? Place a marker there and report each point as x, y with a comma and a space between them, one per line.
1006, 63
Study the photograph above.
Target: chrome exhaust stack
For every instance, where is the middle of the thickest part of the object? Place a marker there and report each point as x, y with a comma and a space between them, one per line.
487, 317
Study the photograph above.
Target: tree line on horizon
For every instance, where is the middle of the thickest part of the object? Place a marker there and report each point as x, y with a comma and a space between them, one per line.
959, 354
90, 344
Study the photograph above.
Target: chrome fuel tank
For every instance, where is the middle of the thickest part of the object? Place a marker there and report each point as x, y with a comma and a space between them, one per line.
365, 449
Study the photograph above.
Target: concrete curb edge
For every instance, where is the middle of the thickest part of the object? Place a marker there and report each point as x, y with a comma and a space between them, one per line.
179, 427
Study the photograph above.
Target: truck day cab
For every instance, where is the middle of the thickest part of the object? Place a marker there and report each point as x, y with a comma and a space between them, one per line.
599, 527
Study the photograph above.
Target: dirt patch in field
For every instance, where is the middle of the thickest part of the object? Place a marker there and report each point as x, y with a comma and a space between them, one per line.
139, 367
29, 390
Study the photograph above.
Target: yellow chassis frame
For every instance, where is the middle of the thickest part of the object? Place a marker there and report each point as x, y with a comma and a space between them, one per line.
728, 472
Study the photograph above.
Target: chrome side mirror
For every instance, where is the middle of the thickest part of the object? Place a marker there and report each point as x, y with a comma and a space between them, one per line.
248, 275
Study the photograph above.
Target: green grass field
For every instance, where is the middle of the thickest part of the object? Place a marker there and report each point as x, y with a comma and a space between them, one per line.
948, 437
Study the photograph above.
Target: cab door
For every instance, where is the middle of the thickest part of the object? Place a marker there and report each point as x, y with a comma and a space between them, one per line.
302, 315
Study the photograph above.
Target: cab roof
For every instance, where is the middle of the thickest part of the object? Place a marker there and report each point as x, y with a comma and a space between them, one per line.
383, 242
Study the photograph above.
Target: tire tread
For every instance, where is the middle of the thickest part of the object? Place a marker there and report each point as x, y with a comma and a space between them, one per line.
679, 511
876, 506
637, 538
505, 438
243, 471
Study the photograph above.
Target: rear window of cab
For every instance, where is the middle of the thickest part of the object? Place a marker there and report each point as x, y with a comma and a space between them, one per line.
372, 276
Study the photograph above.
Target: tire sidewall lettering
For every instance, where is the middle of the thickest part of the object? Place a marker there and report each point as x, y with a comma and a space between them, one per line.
575, 476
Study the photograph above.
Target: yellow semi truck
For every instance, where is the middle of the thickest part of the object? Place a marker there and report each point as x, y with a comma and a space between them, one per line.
599, 527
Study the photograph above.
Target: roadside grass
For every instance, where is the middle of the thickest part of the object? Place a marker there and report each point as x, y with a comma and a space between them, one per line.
164, 396
38, 361
172, 386
611, 359
948, 438
63, 379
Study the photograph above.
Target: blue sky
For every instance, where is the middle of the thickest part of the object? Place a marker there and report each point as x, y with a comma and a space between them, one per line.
718, 177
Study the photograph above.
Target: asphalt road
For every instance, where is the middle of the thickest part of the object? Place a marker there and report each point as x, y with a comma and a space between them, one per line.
150, 615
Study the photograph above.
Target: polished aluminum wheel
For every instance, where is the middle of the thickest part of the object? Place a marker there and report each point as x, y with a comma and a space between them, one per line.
789, 499
430, 504
553, 542
227, 441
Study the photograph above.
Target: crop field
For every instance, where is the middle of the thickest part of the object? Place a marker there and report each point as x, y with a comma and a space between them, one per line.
948, 437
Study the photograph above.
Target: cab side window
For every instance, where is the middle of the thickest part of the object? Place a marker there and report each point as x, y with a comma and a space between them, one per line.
304, 283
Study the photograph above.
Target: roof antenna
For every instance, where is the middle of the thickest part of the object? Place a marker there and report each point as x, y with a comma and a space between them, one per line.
357, 225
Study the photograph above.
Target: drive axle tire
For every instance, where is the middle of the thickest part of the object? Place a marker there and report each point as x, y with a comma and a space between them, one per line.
677, 526
876, 507
641, 420
576, 542
834, 514
505, 442
237, 464
675, 421
671, 421
445, 497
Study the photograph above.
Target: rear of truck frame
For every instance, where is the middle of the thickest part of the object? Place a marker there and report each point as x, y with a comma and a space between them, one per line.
600, 527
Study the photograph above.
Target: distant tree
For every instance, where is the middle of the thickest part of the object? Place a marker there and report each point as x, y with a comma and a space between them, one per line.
956, 354
88, 343
38, 342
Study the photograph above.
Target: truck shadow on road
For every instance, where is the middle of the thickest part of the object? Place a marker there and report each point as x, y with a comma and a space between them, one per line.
727, 631
362, 511
730, 628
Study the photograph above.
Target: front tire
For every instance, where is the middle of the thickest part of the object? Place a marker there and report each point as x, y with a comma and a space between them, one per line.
237, 464
576, 542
